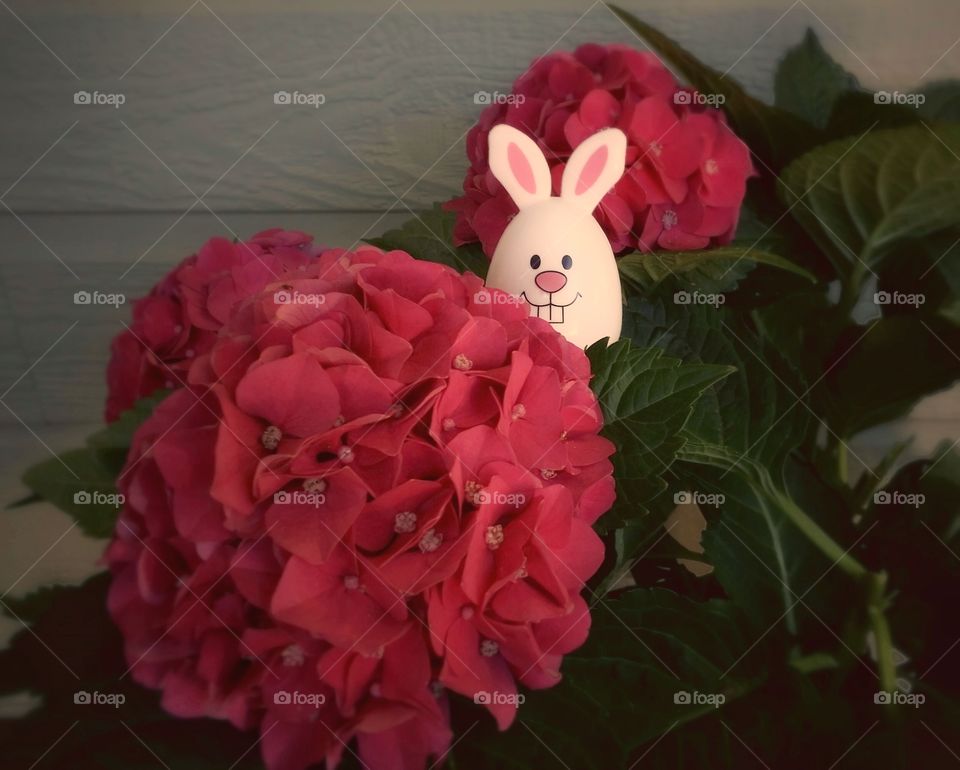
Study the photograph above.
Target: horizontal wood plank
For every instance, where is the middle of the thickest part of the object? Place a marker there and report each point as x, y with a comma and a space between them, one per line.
399, 81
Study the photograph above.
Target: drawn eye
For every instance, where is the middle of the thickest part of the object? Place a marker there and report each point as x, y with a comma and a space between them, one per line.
567, 261
535, 261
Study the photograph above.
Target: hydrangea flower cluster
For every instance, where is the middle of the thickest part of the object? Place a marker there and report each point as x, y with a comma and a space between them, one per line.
181, 316
686, 170
376, 488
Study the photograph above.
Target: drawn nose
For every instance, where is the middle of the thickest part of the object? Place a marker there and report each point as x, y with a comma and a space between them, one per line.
551, 281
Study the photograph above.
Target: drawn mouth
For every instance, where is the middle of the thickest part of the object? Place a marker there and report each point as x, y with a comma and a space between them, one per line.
551, 311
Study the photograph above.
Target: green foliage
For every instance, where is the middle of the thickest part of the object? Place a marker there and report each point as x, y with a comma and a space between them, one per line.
82, 482
773, 134
647, 648
647, 400
824, 589
79, 483
808, 82
429, 236
941, 100
861, 196
712, 268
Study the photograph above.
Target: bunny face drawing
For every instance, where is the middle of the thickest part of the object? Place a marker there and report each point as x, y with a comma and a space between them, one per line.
553, 254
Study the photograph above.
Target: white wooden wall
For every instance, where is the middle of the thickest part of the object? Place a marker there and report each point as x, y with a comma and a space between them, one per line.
95, 197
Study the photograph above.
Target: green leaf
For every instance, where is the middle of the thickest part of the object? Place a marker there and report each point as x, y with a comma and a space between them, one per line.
773, 134
647, 398
429, 236
24, 501
881, 370
112, 442
82, 482
28, 609
81, 485
712, 269
752, 416
859, 197
762, 560
928, 267
646, 647
941, 101
808, 81
118, 435
855, 112
915, 538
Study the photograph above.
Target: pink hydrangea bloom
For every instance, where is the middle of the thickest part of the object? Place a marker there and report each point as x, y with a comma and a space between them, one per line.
374, 491
181, 316
686, 170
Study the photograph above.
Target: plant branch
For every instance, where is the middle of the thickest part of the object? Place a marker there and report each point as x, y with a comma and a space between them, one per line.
876, 606
874, 582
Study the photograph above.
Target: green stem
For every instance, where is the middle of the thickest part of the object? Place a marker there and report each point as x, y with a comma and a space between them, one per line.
842, 468
819, 537
876, 604
874, 582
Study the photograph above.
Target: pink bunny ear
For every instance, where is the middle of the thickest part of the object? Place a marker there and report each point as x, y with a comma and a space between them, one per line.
595, 166
518, 164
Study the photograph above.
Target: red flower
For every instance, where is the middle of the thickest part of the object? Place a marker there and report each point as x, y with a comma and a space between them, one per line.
180, 318
678, 151
372, 489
